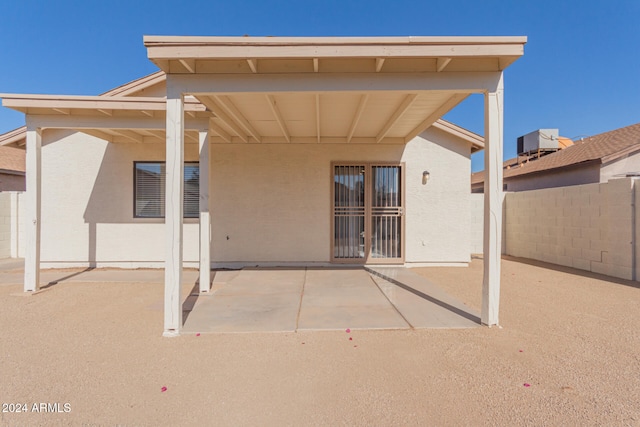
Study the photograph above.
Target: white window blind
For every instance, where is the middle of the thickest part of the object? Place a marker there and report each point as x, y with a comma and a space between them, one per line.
149, 189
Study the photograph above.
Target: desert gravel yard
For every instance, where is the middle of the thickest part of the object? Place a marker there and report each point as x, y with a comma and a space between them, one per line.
568, 353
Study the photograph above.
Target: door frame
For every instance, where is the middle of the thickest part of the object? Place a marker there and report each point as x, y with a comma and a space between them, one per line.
368, 182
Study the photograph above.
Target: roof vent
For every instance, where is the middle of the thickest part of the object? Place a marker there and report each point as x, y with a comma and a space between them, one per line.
538, 141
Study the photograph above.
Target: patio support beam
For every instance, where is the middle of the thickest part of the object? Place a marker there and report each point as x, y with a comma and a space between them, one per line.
317, 97
469, 82
46, 121
354, 123
174, 210
406, 103
205, 217
212, 105
227, 104
431, 119
493, 198
221, 132
33, 185
278, 115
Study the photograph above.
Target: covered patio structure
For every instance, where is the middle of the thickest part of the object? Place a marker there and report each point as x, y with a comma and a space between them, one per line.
238, 90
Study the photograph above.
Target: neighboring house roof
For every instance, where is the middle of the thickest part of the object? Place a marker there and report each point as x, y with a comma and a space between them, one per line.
12, 160
17, 136
602, 148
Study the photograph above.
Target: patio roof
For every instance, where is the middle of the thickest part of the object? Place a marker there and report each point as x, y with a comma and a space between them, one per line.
114, 119
284, 90
330, 90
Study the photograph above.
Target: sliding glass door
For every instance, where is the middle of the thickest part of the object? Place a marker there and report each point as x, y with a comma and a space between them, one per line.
368, 213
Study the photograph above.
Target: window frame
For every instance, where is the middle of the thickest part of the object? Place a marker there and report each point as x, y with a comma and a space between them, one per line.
135, 189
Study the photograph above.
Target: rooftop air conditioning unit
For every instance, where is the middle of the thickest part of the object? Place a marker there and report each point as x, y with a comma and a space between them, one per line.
542, 140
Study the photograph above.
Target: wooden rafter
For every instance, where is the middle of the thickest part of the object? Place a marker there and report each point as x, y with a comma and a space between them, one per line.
356, 118
152, 134
406, 103
318, 116
253, 64
130, 135
442, 63
233, 111
98, 134
316, 65
379, 64
446, 106
189, 64
218, 130
191, 137
65, 111
278, 115
106, 112
220, 113
156, 133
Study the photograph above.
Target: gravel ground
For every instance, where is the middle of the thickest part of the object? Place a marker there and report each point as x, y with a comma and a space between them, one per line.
573, 338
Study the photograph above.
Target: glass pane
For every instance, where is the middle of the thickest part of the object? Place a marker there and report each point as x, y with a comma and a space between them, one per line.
349, 212
150, 190
386, 213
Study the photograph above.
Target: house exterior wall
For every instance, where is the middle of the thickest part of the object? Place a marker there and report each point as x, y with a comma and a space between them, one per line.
476, 224
5, 225
622, 166
87, 204
11, 224
270, 204
585, 174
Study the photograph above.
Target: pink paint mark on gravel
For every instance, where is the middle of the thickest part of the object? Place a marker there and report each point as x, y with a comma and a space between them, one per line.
526, 385
198, 334
520, 351
163, 389
350, 338
348, 330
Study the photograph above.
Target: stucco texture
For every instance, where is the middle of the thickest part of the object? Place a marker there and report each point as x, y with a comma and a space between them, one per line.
270, 203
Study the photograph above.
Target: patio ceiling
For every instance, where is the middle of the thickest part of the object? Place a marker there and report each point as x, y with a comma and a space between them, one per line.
267, 90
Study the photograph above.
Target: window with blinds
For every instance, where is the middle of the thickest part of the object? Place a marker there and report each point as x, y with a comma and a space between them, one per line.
149, 189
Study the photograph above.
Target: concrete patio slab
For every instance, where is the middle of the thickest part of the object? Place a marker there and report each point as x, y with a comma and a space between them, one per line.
345, 298
422, 303
288, 299
266, 300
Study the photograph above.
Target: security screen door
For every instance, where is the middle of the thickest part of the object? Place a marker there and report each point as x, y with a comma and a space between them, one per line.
368, 213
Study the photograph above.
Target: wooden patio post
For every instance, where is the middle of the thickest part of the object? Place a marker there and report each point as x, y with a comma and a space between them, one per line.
493, 113
33, 199
205, 218
174, 210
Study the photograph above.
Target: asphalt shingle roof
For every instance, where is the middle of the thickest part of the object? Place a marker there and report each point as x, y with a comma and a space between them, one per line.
602, 148
12, 159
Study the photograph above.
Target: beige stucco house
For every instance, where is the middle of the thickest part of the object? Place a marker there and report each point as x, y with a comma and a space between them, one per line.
268, 152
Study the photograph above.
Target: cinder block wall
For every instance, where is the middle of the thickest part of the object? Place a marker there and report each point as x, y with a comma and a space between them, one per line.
11, 220
591, 227
477, 223
5, 225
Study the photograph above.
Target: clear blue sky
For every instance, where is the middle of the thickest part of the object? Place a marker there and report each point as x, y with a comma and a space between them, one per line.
580, 72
